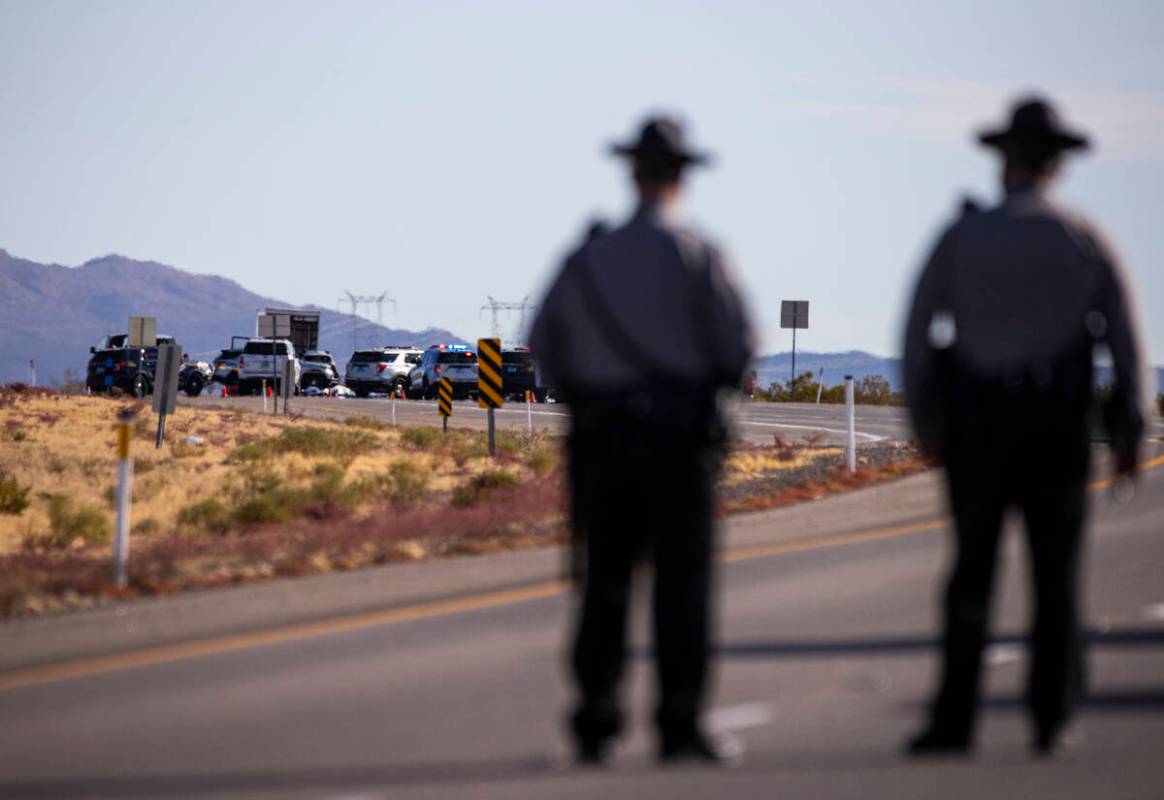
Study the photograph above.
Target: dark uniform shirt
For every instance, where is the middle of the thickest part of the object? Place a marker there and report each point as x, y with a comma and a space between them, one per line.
1016, 292
652, 298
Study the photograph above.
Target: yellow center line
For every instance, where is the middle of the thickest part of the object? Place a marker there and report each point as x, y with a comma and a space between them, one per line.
152, 656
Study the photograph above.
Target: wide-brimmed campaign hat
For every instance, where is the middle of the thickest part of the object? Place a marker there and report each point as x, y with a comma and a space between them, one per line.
1035, 122
661, 138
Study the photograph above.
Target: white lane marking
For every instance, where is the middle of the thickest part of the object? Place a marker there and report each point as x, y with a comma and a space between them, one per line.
1154, 612
867, 436
1000, 654
741, 717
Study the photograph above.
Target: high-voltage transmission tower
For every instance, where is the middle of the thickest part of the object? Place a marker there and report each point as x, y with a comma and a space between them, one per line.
359, 301
497, 307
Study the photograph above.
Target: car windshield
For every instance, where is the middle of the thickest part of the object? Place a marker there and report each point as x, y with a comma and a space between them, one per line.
371, 357
519, 357
321, 359
228, 354
457, 357
261, 349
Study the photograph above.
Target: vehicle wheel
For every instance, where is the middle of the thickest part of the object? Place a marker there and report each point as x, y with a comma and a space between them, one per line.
194, 386
399, 388
141, 386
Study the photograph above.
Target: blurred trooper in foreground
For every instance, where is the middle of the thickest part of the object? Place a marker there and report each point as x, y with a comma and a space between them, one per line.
639, 331
998, 372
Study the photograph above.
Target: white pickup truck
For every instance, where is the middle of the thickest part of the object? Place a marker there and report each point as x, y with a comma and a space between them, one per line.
264, 359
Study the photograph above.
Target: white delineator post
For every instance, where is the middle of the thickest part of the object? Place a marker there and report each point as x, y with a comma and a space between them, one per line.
851, 430
31, 372
124, 486
820, 386
264, 393
529, 411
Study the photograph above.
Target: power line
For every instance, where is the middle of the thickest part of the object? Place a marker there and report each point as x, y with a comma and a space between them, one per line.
498, 307
356, 303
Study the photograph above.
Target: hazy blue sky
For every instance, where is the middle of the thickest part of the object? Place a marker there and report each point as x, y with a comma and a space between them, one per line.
447, 151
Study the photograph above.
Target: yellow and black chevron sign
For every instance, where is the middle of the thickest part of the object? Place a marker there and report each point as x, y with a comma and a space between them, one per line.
489, 373
445, 397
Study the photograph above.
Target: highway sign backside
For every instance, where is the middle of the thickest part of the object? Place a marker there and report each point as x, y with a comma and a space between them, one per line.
143, 332
794, 314
489, 373
166, 378
274, 326
445, 397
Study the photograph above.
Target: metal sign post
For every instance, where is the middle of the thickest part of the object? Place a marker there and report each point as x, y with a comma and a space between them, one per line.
288, 385
851, 430
166, 385
793, 314
819, 385
489, 384
31, 372
124, 486
445, 401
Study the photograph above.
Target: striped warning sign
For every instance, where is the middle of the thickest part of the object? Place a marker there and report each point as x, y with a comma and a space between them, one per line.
445, 397
489, 373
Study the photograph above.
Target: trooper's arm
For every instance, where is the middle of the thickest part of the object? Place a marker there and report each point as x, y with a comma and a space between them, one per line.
729, 330
1119, 323
546, 338
920, 353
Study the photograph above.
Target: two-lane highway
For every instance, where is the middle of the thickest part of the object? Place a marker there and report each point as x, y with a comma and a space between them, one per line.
828, 650
754, 421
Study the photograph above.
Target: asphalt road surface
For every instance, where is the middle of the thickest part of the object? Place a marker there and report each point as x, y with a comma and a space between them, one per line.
827, 654
755, 421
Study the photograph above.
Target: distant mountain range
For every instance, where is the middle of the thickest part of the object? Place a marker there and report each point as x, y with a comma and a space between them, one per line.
53, 314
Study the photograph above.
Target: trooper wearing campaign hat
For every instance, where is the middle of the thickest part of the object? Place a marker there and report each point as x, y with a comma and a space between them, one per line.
639, 331
999, 347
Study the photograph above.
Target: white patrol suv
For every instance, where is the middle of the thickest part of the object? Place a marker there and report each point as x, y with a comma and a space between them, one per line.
382, 369
454, 361
264, 359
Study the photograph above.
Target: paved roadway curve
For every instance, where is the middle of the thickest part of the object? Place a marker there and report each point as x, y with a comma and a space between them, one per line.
827, 653
755, 421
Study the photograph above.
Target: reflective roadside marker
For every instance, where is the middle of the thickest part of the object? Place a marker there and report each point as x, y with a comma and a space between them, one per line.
489, 373
445, 400
124, 484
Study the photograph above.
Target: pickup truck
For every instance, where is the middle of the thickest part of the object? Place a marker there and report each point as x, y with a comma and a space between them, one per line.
264, 359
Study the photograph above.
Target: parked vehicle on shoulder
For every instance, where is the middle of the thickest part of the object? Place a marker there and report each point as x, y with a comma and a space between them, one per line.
381, 369
318, 370
226, 362
264, 359
455, 361
112, 365
520, 374
193, 376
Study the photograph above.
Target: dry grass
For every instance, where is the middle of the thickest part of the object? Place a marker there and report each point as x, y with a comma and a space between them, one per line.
251, 497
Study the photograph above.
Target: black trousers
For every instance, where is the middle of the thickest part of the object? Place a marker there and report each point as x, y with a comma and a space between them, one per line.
642, 494
1030, 453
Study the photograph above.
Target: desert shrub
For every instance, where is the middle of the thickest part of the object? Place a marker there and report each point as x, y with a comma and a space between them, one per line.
274, 504
70, 520
465, 448
181, 449
142, 466
13, 497
313, 440
145, 427
367, 423
209, 515
146, 527
542, 460
421, 437
482, 485
409, 482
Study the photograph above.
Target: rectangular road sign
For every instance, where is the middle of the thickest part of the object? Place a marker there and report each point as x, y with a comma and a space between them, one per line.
143, 332
274, 326
445, 397
489, 373
166, 378
794, 314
